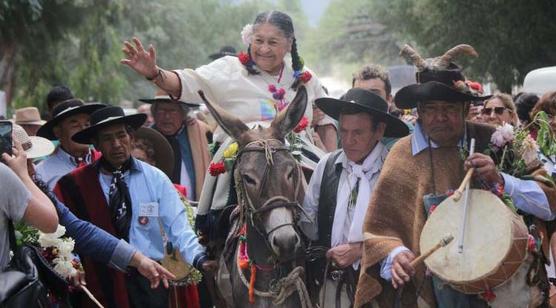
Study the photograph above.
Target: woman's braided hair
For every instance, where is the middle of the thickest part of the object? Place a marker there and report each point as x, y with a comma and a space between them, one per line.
283, 22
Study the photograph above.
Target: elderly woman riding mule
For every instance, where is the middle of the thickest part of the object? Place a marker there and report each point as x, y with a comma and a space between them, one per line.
254, 86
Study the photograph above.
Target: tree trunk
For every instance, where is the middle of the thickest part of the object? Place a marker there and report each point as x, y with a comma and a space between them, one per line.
7, 69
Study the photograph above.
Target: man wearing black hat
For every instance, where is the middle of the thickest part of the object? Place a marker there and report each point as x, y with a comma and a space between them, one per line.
188, 140
418, 173
131, 200
68, 118
342, 185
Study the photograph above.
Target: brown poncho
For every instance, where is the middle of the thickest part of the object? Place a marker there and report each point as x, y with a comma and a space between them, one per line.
396, 214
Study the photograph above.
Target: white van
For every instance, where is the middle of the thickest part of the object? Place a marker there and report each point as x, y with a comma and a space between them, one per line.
540, 81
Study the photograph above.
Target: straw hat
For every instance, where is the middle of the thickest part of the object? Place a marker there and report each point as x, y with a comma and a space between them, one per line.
34, 146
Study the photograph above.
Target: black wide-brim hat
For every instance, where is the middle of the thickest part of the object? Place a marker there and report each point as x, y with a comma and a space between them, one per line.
163, 152
105, 117
360, 100
63, 111
408, 96
165, 98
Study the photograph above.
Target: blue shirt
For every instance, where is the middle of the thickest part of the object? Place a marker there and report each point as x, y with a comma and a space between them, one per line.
154, 197
57, 165
93, 241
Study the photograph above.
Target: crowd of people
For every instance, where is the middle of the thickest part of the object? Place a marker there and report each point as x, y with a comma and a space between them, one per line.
379, 164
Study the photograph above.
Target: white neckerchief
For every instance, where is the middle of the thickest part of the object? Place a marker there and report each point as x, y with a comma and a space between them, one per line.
364, 172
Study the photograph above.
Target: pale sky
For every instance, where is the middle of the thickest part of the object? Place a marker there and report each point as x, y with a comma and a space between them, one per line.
314, 9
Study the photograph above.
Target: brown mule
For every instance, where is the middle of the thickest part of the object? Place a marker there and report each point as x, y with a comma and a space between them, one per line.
269, 184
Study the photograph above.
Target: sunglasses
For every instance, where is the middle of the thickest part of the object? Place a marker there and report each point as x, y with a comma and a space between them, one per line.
497, 110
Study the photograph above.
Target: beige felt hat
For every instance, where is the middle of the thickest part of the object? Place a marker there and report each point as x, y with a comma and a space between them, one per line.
28, 116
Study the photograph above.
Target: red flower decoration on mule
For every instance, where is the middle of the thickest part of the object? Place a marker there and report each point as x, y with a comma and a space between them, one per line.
301, 125
244, 58
217, 168
305, 77
271, 88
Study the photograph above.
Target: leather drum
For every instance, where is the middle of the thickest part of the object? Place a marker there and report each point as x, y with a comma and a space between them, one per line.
495, 242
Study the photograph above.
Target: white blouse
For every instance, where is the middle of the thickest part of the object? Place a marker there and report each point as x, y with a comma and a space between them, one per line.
226, 82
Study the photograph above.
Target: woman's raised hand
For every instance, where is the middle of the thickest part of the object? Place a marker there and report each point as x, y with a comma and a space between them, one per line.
140, 60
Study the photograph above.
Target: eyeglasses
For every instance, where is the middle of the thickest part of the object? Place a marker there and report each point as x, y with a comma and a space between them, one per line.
497, 110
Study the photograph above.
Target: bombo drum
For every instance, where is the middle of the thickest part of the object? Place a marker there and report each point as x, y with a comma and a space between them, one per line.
495, 242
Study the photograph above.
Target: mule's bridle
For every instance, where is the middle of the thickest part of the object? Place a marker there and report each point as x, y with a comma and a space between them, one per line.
293, 282
248, 210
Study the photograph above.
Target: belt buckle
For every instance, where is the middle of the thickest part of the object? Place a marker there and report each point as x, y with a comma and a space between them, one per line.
336, 275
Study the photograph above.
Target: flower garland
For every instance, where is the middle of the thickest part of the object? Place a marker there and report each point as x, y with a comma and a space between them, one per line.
195, 276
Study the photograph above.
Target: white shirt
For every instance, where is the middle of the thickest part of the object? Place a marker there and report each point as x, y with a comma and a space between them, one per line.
311, 202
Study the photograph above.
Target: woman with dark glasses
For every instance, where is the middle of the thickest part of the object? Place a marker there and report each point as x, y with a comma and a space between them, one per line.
500, 109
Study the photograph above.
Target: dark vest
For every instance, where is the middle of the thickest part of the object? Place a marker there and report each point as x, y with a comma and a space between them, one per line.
327, 199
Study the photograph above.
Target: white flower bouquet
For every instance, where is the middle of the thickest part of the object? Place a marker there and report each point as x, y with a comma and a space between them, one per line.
54, 258
58, 252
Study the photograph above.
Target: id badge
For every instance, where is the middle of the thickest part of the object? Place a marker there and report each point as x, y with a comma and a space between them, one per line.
146, 210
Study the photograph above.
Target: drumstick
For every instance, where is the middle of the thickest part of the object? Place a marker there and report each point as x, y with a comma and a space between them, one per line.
91, 296
443, 242
459, 192
465, 203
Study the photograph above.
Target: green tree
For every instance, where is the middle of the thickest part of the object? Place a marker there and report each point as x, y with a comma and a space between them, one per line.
512, 37
83, 50
29, 34
349, 36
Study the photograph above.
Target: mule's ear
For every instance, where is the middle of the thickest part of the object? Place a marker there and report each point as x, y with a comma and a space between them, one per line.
288, 118
233, 126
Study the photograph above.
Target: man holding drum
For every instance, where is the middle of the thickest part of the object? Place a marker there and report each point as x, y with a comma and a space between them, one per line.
416, 176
